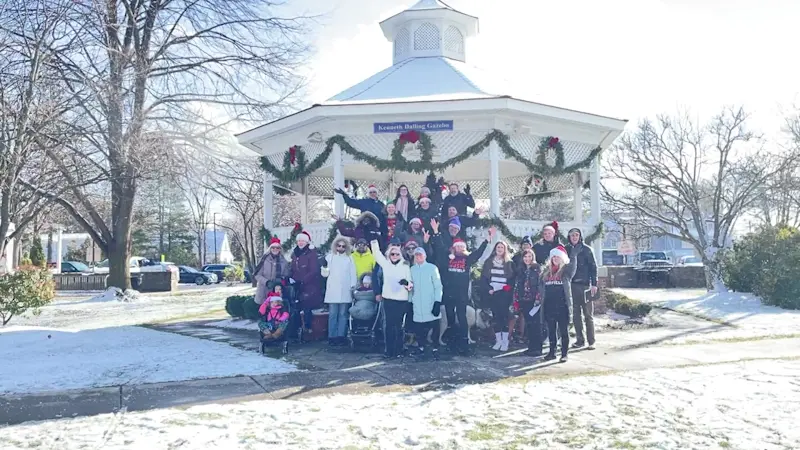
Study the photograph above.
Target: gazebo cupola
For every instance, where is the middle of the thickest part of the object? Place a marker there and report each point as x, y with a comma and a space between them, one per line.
429, 28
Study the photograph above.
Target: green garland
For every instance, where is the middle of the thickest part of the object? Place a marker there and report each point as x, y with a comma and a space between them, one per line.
288, 244
398, 163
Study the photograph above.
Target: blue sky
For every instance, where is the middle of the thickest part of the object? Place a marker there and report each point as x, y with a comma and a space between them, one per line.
623, 58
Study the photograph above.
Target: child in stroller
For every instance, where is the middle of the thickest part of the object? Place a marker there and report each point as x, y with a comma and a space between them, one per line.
274, 321
364, 315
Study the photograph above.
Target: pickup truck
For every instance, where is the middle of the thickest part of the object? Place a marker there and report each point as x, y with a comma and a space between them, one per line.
653, 261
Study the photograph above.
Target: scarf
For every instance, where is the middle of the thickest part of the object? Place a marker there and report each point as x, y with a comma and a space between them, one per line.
401, 204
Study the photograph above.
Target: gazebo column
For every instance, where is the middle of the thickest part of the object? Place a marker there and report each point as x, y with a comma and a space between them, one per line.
577, 198
338, 180
304, 202
594, 186
494, 179
267, 182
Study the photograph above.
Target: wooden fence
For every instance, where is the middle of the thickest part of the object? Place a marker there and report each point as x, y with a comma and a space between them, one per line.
77, 282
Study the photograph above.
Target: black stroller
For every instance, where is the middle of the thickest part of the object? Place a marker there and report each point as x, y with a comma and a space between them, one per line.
289, 297
365, 330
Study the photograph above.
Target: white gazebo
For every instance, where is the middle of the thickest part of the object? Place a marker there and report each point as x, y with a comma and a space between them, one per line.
430, 89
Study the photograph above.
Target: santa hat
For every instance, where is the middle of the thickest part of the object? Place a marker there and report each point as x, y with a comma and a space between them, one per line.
274, 297
372, 188
303, 236
455, 222
561, 252
553, 225
274, 242
458, 243
416, 220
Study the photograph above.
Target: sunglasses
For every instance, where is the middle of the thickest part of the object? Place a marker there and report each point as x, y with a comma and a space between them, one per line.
341, 246
395, 254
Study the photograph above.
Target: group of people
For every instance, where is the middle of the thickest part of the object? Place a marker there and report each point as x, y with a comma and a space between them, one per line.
412, 256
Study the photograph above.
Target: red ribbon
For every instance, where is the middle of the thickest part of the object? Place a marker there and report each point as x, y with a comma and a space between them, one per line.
552, 142
293, 154
409, 136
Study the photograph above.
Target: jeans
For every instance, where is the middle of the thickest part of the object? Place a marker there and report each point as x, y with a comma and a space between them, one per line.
533, 328
582, 310
499, 303
558, 319
393, 313
337, 319
422, 329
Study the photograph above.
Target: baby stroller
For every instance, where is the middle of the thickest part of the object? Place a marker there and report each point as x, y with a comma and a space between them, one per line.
365, 318
288, 296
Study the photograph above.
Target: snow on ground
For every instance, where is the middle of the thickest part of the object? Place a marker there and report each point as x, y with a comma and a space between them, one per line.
86, 314
750, 318
48, 359
235, 324
747, 405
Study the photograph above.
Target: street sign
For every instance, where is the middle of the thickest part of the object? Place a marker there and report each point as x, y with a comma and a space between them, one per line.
626, 248
400, 127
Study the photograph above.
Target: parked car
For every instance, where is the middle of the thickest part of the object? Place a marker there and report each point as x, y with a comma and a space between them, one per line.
137, 264
74, 267
690, 261
191, 275
217, 269
611, 257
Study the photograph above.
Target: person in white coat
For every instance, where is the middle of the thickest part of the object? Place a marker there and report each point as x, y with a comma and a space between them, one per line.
395, 294
342, 279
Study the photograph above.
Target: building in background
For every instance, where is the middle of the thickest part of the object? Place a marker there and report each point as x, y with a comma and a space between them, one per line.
74, 247
218, 248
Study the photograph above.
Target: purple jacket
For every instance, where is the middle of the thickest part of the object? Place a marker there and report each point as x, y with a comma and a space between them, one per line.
306, 272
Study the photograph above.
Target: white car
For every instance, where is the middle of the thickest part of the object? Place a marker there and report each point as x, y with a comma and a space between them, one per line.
690, 261
138, 264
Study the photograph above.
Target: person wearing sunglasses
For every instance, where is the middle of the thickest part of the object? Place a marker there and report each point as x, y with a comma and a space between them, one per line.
341, 274
394, 295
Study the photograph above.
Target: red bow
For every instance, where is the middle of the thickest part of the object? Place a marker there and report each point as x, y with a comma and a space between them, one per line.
293, 154
506, 288
409, 136
297, 225
552, 142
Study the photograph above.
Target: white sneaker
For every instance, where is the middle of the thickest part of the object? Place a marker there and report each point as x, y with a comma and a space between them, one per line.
503, 342
498, 341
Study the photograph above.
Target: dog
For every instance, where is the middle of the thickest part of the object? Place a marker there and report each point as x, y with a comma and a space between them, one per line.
475, 318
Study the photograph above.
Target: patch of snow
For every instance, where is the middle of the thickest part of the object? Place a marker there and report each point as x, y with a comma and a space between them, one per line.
53, 359
115, 294
745, 312
151, 307
747, 405
615, 316
235, 324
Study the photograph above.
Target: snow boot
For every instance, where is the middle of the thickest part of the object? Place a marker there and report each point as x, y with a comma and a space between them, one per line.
498, 341
503, 342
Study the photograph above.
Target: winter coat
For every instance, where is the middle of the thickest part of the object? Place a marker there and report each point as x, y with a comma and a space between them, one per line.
495, 281
552, 298
408, 214
376, 207
268, 269
586, 272
364, 306
273, 320
362, 229
364, 262
427, 290
542, 250
456, 270
306, 273
395, 226
526, 284
461, 201
341, 274
392, 275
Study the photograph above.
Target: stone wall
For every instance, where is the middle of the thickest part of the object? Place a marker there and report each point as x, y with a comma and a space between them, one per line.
157, 281
627, 277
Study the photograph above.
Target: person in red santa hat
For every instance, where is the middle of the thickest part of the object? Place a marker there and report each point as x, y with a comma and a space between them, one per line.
307, 276
368, 204
455, 266
272, 266
555, 287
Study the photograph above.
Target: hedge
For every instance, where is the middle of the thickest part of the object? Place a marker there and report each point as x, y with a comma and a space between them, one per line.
242, 307
627, 306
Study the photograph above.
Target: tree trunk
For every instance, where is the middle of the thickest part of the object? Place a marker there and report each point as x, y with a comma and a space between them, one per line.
122, 195
119, 273
713, 272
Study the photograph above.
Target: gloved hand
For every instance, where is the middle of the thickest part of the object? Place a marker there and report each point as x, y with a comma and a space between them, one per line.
437, 308
403, 282
339, 191
468, 190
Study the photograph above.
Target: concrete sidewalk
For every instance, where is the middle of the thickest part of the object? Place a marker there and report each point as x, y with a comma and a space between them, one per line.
378, 376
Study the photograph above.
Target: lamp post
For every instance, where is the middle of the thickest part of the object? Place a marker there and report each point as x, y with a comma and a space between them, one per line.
216, 254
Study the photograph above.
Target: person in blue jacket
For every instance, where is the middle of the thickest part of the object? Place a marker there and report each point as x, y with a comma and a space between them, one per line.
368, 204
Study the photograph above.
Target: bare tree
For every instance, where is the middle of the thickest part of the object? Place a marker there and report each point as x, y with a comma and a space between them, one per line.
32, 101
239, 185
193, 182
150, 74
691, 182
